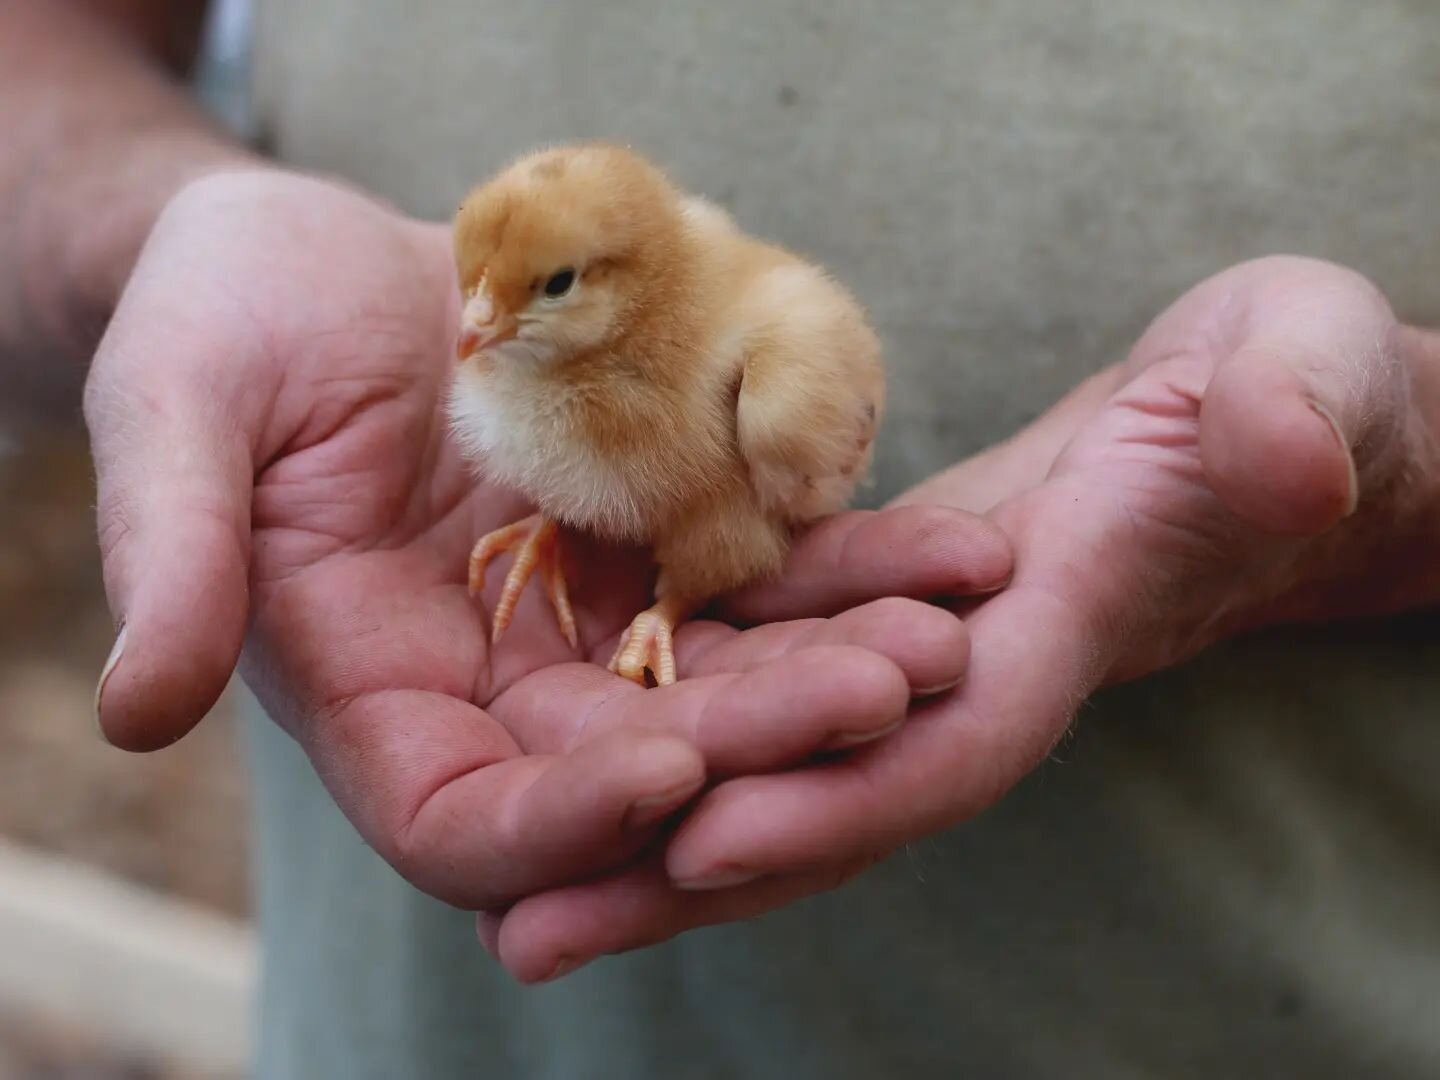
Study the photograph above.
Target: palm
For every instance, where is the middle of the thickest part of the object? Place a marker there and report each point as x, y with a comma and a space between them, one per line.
370, 518
268, 423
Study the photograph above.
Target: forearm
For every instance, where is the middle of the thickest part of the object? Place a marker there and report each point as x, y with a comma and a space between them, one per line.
99, 137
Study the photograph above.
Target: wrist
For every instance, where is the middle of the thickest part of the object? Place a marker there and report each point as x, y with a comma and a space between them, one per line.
83, 218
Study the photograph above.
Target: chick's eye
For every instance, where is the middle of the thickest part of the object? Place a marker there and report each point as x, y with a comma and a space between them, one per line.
560, 283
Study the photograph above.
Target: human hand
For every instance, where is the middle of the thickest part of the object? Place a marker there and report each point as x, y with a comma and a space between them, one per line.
1266, 454
267, 422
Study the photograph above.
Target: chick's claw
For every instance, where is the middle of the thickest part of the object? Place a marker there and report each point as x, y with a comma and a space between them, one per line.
535, 540
649, 644
556, 588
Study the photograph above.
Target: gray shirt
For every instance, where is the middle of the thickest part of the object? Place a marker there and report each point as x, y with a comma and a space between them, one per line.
1232, 869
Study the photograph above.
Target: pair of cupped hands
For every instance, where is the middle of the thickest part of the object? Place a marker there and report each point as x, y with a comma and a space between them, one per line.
277, 488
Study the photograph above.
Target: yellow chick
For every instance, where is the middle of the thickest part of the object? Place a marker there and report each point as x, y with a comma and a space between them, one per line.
641, 369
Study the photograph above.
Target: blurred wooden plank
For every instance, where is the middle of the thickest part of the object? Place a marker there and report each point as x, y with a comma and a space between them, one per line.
156, 976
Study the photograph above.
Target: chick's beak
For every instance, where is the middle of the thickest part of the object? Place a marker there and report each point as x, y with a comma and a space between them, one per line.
482, 326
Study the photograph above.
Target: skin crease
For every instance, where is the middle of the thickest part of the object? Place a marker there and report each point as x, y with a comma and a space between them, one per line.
1267, 453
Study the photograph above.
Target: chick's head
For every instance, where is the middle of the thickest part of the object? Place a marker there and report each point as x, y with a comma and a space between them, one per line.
555, 254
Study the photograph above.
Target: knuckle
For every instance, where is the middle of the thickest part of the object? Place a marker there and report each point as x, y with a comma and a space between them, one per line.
114, 526
418, 853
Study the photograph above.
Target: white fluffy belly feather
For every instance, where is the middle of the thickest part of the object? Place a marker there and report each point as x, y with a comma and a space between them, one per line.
526, 442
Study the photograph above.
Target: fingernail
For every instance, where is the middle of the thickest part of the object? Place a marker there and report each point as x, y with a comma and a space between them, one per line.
116, 651
487, 928
845, 740
565, 966
995, 584
652, 809
1353, 491
722, 877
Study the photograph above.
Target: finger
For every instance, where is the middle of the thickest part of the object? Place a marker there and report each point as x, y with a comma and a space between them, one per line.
915, 551
550, 935
174, 475
820, 698
928, 644
443, 793
1032, 659
1257, 410
1307, 377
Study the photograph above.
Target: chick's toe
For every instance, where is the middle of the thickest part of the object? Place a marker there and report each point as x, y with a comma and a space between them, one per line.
649, 644
535, 540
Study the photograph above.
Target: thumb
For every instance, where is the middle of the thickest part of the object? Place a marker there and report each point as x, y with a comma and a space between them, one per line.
174, 484
1274, 447
1310, 382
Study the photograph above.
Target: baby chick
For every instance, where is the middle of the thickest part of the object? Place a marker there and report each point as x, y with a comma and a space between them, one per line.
641, 369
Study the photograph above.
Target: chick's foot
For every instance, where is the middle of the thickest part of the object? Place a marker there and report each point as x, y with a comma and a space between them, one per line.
649, 644
535, 540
